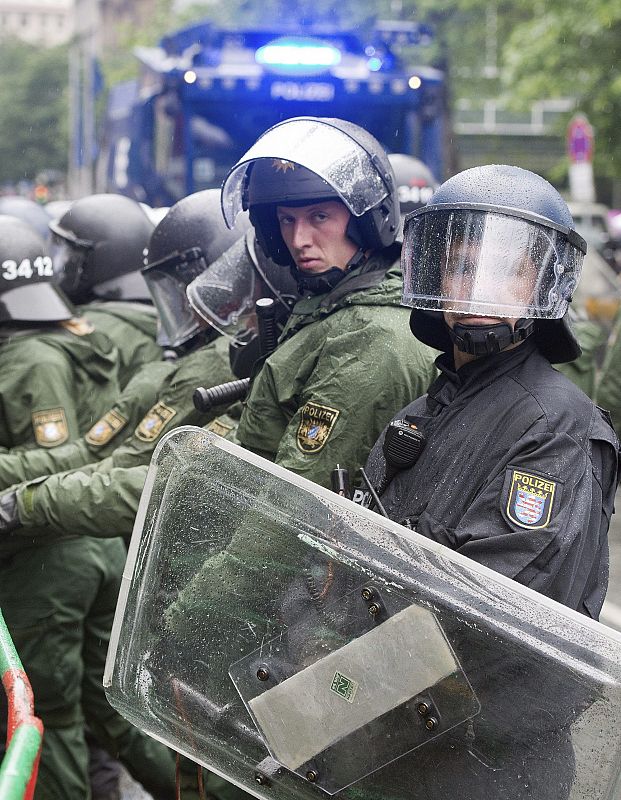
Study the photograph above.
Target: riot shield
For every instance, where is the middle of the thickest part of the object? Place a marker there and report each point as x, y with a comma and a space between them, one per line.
299, 645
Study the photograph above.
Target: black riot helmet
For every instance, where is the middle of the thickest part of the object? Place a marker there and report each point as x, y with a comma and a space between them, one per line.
308, 159
28, 211
98, 246
493, 241
226, 294
28, 293
189, 238
415, 182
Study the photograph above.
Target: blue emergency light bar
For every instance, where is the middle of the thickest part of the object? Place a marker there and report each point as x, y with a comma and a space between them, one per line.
297, 54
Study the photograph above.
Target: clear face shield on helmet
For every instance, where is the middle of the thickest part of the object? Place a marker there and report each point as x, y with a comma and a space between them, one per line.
484, 262
226, 293
167, 280
320, 148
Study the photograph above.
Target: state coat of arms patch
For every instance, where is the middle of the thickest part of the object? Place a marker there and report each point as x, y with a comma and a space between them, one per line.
530, 499
106, 428
316, 424
154, 421
50, 427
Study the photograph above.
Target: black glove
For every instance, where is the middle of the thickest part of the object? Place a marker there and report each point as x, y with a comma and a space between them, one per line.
9, 518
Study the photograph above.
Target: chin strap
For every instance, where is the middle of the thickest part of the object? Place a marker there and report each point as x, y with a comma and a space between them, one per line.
485, 340
325, 281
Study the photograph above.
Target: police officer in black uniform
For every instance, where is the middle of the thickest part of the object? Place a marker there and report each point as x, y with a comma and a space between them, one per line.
504, 459
518, 467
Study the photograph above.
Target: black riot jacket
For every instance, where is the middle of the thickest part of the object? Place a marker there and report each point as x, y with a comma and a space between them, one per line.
518, 473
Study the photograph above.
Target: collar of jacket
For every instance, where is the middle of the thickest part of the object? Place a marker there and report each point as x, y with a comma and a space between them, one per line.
473, 376
376, 282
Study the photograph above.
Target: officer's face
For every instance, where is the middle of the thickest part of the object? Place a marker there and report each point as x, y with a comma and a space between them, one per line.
315, 235
481, 280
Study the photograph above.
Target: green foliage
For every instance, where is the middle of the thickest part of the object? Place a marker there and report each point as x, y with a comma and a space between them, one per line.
573, 50
119, 63
33, 95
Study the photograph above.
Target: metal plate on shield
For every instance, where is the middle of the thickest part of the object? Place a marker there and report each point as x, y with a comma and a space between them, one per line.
382, 680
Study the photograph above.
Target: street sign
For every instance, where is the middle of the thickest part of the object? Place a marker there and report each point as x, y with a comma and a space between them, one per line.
580, 140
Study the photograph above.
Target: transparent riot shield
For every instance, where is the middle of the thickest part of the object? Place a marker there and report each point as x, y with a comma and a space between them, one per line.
300, 645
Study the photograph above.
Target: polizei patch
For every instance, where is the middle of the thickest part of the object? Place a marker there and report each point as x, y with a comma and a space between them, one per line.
154, 421
50, 427
316, 424
530, 499
106, 428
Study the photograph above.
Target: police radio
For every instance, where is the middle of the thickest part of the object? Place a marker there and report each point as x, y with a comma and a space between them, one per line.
403, 444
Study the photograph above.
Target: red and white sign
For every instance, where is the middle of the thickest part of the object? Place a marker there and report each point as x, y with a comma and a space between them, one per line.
580, 140
580, 153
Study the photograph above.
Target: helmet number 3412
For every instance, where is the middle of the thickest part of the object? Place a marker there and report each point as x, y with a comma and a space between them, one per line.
40, 267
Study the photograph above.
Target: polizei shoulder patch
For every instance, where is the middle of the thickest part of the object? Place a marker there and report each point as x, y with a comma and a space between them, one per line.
528, 499
106, 428
316, 424
50, 427
154, 421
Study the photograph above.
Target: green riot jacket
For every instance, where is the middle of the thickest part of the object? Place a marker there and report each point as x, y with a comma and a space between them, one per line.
346, 363
608, 390
100, 441
102, 499
54, 383
132, 327
583, 370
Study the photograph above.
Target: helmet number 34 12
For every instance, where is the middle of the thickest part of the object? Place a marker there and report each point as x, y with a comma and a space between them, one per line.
40, 267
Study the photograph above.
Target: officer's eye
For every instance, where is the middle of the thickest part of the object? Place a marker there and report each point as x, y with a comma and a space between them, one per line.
320, 216
285, 220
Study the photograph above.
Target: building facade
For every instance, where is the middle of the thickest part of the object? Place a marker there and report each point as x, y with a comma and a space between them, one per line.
38, 22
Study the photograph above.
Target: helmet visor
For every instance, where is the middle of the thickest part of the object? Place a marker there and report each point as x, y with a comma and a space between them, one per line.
226, 293
36, 302
69, 259
167, 281
326, 151
488, 264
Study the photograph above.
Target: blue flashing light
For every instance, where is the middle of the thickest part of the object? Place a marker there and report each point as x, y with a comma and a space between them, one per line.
298, 54
374, 64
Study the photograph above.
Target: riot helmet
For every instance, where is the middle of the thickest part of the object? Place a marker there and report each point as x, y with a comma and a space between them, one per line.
415, 182
309, 159
226, 293
98, 246
497, 242
28, 292
28, 211
189, 238
226, 296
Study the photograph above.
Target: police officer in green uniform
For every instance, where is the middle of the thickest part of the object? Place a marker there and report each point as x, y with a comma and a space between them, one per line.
322, 198
97, 248
58, 376
191, 236
101, 499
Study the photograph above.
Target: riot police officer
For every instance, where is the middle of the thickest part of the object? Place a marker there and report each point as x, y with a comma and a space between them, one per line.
101, 499
57, 377
189, 238
97, 247
518, 468
322, 198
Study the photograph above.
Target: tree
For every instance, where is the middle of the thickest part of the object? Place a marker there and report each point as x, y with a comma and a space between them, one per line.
33, 94
573, 49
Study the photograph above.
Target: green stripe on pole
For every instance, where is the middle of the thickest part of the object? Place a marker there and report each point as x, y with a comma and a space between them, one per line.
8, 655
